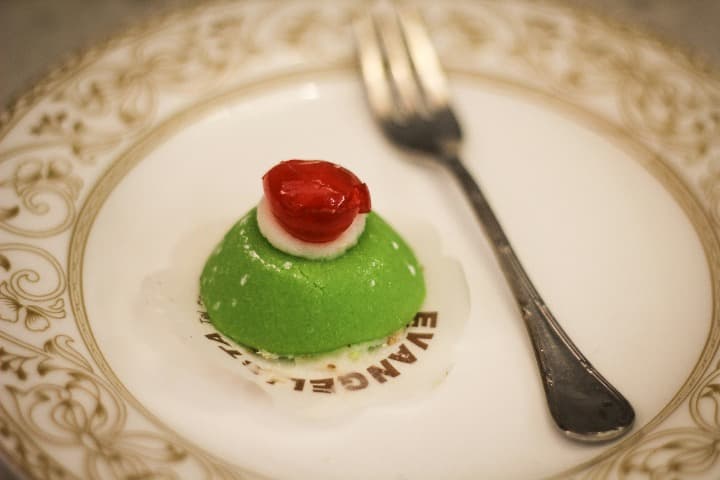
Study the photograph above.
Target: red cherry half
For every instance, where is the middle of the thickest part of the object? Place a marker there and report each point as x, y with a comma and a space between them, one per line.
314, 200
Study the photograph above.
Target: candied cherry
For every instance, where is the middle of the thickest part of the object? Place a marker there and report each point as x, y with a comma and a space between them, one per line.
314, 200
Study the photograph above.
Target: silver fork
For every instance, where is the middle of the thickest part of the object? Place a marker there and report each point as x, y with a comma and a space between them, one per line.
406, 90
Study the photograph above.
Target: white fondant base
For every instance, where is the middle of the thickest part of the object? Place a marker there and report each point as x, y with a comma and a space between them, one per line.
282, 240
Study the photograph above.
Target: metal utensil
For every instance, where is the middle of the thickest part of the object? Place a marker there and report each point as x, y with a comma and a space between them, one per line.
406, 90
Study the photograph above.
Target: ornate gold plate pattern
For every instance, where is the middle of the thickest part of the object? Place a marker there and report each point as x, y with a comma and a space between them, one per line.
70, 140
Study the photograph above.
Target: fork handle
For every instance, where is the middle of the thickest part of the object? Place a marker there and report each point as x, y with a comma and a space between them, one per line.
584, 405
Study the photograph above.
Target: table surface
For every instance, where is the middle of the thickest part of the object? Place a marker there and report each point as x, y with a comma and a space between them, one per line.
36, 35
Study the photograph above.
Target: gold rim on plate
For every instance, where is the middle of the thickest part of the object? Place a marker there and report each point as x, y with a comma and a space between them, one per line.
640, 74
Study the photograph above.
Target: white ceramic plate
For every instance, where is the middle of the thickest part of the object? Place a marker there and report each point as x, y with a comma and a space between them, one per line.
597, 146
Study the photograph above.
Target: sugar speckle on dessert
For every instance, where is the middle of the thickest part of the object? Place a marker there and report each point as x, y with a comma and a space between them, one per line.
319, 288
268, 355
256, 256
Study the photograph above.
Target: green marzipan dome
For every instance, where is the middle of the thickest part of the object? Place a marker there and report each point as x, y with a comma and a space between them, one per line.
286, 305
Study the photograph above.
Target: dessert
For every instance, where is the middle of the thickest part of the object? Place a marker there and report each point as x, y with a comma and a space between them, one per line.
311, 269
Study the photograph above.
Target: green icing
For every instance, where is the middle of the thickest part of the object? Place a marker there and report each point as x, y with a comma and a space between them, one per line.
287, 305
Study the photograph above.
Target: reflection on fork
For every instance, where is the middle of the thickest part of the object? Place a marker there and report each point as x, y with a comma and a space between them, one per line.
407, 93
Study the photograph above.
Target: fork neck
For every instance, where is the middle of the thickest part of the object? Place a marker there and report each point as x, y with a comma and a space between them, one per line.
448, 150
449, 153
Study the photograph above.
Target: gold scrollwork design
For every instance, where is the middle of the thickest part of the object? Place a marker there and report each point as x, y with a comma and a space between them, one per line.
572, 56
25, 296
98, 102
664, 105
710, 186
26, 453
469, 32
60, 401
115, 100
42, 187
674, 452
568, 56
310, 29
671, 453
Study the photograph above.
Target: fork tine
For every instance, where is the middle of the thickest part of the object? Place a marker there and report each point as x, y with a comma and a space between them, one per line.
424, 57
378, 90
407, 90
